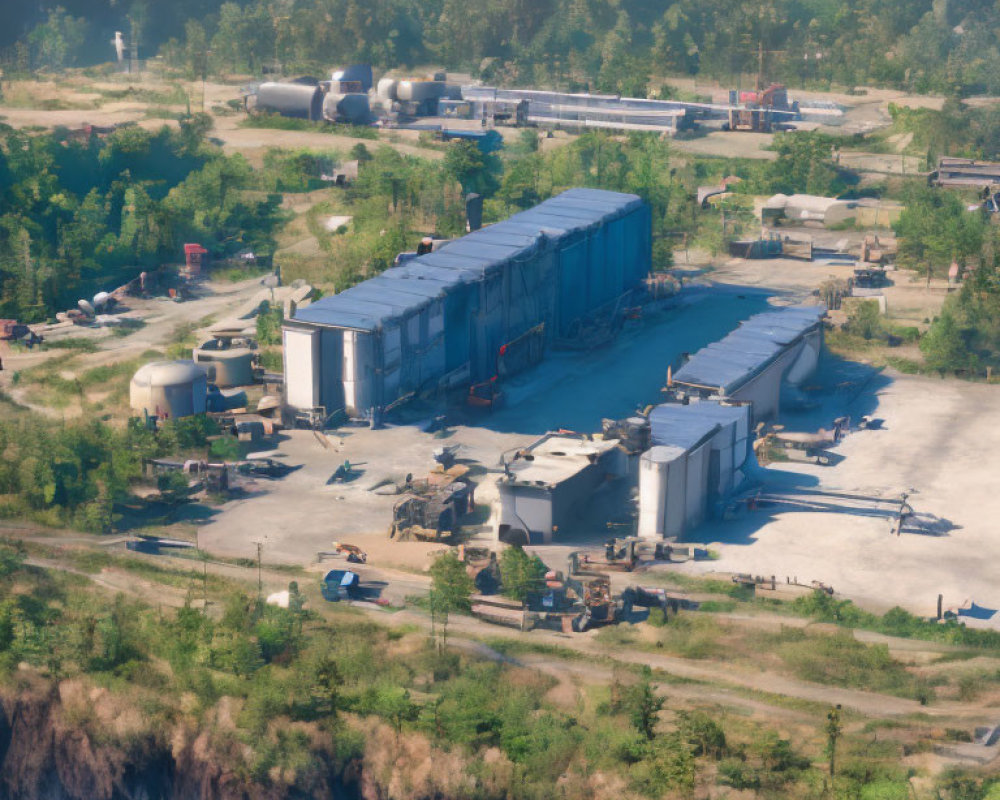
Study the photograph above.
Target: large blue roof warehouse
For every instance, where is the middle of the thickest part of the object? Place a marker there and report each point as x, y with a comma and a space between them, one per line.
455, 316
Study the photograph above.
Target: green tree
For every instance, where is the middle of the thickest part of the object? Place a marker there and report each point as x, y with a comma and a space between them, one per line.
394, 704
945, 346
643, 707
450, 588
520, 573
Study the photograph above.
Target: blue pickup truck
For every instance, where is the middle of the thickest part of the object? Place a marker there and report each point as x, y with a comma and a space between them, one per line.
340, 584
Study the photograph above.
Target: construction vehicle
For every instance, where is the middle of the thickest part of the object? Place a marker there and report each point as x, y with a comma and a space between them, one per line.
599, 605
353, 553
432, 509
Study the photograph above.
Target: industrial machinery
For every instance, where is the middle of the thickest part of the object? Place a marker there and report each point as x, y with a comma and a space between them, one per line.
353, 553
599, 605
759, 111
486, 395
781, 445
622, 554
432, 509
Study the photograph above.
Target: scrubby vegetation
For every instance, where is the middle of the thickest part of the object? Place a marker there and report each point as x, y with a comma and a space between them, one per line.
77, 215
74, 473
302, 693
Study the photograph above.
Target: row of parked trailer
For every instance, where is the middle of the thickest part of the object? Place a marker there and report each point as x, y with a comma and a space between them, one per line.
464, 313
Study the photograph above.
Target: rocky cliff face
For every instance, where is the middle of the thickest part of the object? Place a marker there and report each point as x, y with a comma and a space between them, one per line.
49, 751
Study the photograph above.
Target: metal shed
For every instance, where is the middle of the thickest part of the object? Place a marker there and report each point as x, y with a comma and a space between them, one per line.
446, 318
751, 363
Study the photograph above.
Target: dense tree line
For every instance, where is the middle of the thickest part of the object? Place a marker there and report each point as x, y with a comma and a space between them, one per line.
77, 215
74, 473
607, 45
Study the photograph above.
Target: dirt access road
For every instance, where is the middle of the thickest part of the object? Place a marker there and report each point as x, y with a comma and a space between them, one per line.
725, 682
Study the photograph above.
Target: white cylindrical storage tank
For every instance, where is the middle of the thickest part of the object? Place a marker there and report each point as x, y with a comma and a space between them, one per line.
169, 389
387, 89
359, 372
652, 493
675, 511
231, 366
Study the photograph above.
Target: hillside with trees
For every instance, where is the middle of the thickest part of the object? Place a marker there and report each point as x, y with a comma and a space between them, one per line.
78, 215
603, 45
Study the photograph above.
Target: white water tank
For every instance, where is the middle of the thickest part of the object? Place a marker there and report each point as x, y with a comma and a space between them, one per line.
662, 490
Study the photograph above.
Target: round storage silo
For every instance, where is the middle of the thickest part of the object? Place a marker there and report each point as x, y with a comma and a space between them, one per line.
232, 366
169, 389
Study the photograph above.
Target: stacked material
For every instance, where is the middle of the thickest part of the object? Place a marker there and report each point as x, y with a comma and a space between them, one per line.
446, 318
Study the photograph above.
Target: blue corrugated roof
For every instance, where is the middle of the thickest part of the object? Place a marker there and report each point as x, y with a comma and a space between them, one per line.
673, 424
369, 304
736, 358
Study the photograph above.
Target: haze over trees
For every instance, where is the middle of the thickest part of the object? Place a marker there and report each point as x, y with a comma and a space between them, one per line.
601, 44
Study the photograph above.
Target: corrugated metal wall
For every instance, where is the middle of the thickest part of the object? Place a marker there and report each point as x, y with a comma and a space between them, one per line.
447, 314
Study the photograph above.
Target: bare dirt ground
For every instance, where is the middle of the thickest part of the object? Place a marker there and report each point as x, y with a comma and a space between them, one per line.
161, 318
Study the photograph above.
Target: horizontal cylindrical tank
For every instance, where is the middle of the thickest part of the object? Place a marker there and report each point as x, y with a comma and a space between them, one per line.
290, 100
387, 89
169, 389
231, 366
351, 108
419, 91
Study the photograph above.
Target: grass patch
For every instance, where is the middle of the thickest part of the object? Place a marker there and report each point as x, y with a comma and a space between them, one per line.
841, 660
79, 343
278, 122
